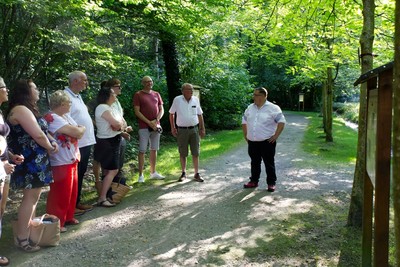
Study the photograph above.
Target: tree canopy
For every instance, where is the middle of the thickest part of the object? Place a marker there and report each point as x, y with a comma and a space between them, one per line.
225, 47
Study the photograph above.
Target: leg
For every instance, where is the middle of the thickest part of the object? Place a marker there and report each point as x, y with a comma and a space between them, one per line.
26, 212
96, 170
255, 156
183, 163
4, 196
82, 167
59, 195
195, 164
141, 162
153, 160
108, 178
269, 162
74, 192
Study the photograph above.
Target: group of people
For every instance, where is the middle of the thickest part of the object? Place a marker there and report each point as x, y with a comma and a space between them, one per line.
54, 149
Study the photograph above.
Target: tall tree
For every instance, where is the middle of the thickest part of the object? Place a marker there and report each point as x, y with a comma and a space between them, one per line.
396, 134
366, 43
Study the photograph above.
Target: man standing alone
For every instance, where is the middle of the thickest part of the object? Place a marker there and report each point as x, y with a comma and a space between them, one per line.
188, 129
149, 110
262, 124
79, 112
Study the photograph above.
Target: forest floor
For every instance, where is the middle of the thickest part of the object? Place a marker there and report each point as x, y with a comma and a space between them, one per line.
216, 223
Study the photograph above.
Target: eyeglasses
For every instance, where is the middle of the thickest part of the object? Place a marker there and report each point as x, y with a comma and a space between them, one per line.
257, 95
117, 86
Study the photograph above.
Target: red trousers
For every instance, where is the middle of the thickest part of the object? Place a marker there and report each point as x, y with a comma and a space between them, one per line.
61, 200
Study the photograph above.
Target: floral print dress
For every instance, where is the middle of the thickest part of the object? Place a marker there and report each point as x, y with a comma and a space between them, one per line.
35, 171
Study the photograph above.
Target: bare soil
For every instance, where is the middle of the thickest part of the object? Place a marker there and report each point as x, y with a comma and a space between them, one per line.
215, 223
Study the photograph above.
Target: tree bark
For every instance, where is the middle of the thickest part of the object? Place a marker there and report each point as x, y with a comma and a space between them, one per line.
366, 42
396, 134
329, 106
170, 56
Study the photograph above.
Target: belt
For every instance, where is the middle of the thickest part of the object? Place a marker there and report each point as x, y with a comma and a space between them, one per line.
189, 127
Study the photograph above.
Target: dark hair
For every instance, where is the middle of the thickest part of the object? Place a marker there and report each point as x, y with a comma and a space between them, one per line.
103, 95
112, 82
21, 94
262, 91
103, 84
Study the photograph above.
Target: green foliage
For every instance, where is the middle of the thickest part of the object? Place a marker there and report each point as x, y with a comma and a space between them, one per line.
342, 151
347, 111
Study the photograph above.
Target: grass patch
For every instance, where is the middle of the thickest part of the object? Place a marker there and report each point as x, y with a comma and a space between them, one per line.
213, 145
343, 150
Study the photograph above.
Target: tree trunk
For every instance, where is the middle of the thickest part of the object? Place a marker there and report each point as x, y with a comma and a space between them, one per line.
329, 106
170, 56
396, 134
366, 42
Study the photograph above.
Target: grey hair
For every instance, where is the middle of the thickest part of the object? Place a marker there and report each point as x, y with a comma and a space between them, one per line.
58, 98
74, 75
186, 85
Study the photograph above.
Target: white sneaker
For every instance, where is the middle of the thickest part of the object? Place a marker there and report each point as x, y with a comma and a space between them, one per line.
141, 179
157, 176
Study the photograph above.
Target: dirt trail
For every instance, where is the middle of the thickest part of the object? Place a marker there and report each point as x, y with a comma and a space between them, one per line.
213, 223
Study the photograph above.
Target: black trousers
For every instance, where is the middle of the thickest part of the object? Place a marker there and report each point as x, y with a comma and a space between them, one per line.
82, 167
262, 151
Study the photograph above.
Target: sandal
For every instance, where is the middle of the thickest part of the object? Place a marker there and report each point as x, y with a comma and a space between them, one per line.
4, 261
25, 245
72, 222
105, 203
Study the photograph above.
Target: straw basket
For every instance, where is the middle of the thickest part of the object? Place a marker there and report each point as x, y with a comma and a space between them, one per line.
119, 189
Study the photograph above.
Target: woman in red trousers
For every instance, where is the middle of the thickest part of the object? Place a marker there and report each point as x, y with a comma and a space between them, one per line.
61, 200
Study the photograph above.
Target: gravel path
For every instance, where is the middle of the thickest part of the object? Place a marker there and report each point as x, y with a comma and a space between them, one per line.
197, 224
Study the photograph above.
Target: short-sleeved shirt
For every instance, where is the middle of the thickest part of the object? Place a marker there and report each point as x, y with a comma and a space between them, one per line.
149, 104
80, 114
262, 122
68, 150
4, 131
187, 112
104, 129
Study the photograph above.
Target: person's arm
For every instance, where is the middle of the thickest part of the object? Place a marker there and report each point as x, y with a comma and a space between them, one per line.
152, 124
23, 116
174, 131
160, 112
244, 129
115, 124
72, 130
202, 128
278, 132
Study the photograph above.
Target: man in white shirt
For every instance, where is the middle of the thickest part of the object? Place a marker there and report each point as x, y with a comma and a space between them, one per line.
79, 112
189, 128
262, 124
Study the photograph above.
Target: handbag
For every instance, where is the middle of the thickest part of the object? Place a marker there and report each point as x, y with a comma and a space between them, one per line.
44, 231
119, 190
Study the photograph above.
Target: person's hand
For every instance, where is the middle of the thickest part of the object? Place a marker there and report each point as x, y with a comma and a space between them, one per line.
17, 159
174, 132
202, 132
153, 125
128, 129
8, 167
272, 139
54, 148
126, 136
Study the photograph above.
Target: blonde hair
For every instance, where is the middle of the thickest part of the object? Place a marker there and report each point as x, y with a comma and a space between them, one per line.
58, 98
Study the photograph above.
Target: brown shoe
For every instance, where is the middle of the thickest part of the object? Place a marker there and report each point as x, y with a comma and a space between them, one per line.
84, 207
79, 212
197, 178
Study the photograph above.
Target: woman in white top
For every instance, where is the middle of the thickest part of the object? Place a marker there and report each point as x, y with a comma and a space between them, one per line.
108, 138
61, 200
